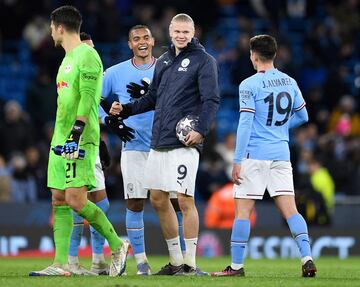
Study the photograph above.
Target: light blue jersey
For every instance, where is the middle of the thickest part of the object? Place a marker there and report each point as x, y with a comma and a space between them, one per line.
115, 80
270, 104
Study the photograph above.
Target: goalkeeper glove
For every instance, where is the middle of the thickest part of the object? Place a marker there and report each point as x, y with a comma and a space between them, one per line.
136, 91
70, 149
117, 126
105, 158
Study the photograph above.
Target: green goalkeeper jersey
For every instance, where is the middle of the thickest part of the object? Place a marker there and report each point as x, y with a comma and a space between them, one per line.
78, 82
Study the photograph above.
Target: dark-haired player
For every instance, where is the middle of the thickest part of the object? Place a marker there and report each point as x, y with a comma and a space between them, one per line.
79, 81
270, 104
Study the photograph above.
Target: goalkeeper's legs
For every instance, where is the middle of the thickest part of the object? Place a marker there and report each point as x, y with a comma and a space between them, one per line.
63, 224
77, 200
99, 265
135, 231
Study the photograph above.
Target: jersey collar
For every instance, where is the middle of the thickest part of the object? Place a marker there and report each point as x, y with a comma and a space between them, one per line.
144, 67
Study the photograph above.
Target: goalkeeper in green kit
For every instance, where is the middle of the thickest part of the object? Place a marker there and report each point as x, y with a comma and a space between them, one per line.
79, 81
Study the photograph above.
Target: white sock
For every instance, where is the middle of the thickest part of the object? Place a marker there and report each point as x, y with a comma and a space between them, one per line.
140, 258
73, 259
305, 259
190, 253
176, 257
236, 266
97, 258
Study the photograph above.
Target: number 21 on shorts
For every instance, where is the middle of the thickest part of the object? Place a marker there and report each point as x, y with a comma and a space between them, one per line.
70, 171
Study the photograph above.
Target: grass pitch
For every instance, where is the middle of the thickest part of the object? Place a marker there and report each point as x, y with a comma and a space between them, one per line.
264, 272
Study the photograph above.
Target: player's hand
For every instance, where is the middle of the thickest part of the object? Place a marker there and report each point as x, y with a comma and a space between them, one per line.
122, 111
117, 126
193, 138
115, 109
236, 178
70, 149
136, 91
105, 158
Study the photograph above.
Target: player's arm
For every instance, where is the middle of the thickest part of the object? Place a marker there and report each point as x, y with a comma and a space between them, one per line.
247, 113
299, 117
90, 75
299, 113
90, 79
209, 94
210, 99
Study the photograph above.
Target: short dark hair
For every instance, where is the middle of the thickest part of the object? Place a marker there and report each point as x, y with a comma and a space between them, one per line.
84, 36
139, 27
68, 16
265, 46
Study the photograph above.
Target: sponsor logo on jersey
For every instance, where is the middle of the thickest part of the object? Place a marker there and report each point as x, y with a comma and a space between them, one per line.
184, 64
89, 77
62, 84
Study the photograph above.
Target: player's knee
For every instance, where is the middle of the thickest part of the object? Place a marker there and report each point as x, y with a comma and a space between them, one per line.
57, 198
157, 202
75, 203
186, 203
56, 202
97, 196
135, 204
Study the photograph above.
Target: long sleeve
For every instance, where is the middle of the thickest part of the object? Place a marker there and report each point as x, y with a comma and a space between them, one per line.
247, 113
209, 93
299, 117
90, 80
243, 135
299, 114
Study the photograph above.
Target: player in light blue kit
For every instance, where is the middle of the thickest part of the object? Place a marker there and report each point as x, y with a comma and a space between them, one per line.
270, 104
129, 80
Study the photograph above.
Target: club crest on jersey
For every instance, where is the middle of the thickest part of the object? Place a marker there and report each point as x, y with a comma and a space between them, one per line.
184, 64
62, 84
67, 69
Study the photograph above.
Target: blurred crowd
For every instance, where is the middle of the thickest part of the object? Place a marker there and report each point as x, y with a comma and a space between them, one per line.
319, 46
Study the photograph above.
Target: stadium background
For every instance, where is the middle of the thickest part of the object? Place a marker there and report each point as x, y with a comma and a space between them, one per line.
319, 45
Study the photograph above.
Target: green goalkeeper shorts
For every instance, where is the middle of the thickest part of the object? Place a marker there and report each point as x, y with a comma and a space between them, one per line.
63, 173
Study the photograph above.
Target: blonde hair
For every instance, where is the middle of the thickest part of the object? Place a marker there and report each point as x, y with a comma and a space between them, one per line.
182, 17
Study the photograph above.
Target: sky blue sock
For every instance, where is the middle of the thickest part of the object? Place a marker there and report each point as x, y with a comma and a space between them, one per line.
76, 234
239, 239
97, 240
299, 231
181, 232
135, 230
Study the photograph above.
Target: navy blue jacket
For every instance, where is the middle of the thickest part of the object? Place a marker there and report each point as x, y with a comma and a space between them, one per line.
183, 84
